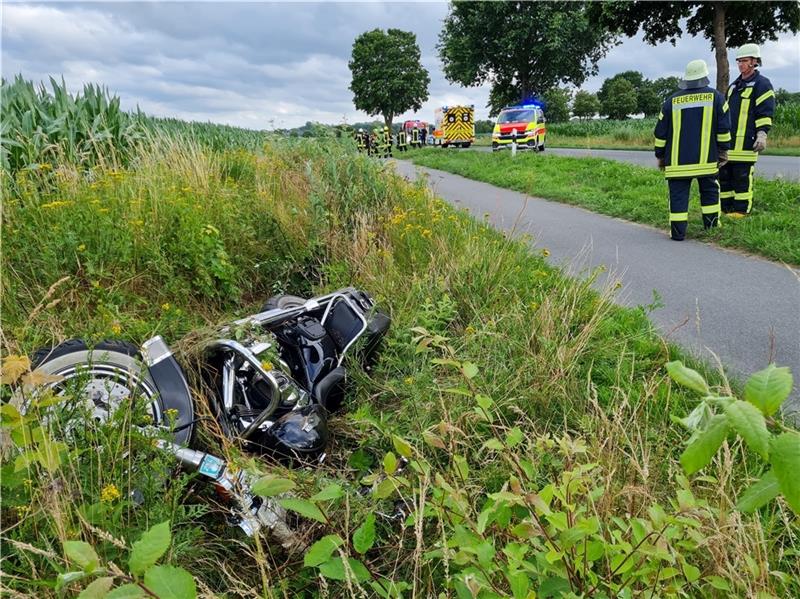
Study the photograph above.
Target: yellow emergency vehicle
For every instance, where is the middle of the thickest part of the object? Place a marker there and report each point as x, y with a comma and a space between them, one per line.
454, 126
524, 123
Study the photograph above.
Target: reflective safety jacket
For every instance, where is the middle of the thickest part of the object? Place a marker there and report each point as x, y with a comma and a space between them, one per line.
693, 126
752, 105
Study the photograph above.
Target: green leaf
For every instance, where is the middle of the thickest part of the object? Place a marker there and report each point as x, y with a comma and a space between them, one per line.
519, 584
389, 463
68, 578
718, 583
699, 453
687, 377
169, 582
364, 536
402, 446
767, 389
385, 488
514, 437
785, 459
147, 550
750, 424
269, 486
334, 569
321, 551
469, 369
691, 572
98, 589
126, 591
329, 493
304, 508
759, 493
82, 554
494, 444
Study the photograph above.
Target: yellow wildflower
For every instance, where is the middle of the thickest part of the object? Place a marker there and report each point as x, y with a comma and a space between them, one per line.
409, 380
56, 204
165, 306
137, 223
469, 330
82, 247
109, 494
266, 365
172, 414
103, 210
116, 329
545, 252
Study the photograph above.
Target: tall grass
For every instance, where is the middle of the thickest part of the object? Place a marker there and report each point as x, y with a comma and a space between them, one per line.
502, 380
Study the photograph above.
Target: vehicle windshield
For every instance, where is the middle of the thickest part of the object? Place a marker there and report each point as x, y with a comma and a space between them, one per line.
516, 116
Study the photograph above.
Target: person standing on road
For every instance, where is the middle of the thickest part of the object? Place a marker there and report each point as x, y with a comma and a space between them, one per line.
752, 104
423, 135
692, 137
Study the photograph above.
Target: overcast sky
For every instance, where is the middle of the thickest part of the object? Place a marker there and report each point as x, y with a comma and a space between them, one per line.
264, 65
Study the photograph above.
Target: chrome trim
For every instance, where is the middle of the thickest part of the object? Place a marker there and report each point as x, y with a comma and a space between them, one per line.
155, 350
248, 356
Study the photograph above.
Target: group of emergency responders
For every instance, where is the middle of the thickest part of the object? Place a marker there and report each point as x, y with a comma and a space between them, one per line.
716, 139
379, 141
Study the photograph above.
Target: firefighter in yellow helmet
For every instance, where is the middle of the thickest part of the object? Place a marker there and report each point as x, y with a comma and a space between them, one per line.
752, 105
387, 142
692, 137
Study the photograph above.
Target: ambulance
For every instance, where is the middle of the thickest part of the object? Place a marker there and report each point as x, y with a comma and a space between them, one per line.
454, 126
525, 123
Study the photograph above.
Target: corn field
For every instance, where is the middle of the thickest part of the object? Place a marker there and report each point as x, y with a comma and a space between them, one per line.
43, 128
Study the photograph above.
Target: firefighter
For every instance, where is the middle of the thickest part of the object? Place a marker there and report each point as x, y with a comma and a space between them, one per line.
377, 135
752, 104
692, 138
361, 140
423, 136
387, 142
402, 140
415, 137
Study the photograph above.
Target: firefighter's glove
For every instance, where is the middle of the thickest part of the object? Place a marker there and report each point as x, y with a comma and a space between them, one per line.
760, 144
722, 160
661, 163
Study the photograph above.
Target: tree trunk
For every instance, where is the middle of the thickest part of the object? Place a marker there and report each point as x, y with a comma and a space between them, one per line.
721, 47
387, 119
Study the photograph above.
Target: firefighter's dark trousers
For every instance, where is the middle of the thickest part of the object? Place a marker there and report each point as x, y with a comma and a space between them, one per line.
736, 187
679, 204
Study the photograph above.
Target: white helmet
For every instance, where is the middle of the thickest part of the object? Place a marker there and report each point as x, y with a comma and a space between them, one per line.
749, 51
696, 75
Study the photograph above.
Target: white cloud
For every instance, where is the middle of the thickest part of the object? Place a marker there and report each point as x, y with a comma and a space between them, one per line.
269, 64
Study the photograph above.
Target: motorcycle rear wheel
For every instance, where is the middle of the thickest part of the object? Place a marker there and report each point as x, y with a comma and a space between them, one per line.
283, 302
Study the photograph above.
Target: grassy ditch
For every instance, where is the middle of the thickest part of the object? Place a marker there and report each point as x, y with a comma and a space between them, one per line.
633, 193
534, 413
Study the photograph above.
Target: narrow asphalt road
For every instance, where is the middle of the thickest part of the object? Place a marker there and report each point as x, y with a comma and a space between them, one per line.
744, 309
768, 167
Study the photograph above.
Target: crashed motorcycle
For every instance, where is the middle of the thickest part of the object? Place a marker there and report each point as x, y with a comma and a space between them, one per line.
272, 379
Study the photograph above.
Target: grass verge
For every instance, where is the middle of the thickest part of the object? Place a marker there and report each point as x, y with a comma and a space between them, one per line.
633, 193
535, 414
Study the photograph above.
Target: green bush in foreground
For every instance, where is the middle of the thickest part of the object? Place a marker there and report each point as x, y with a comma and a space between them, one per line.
516, 433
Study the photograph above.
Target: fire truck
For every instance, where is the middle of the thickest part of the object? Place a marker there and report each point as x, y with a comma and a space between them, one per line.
455, 126
524, 123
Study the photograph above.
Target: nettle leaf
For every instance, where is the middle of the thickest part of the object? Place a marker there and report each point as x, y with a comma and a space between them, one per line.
785, 459
389, 463
304, 508
767, 389
169, 582
750, 424
126, 591
364, 536
700, 451
687, 377
82, 554
269, 486
759, 493
98, 589
147, 550
514, 437
329, 493
321, 551
334, 569
402, 446
469, 369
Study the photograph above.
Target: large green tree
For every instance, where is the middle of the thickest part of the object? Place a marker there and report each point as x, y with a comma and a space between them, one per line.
522, 49
619, 100
585, 105
723, 23
647, 101
557, 104
388, 77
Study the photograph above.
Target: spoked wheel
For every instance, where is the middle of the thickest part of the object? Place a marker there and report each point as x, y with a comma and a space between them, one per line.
99, 381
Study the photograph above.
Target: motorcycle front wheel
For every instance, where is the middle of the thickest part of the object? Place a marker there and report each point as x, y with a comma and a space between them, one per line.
107, 377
